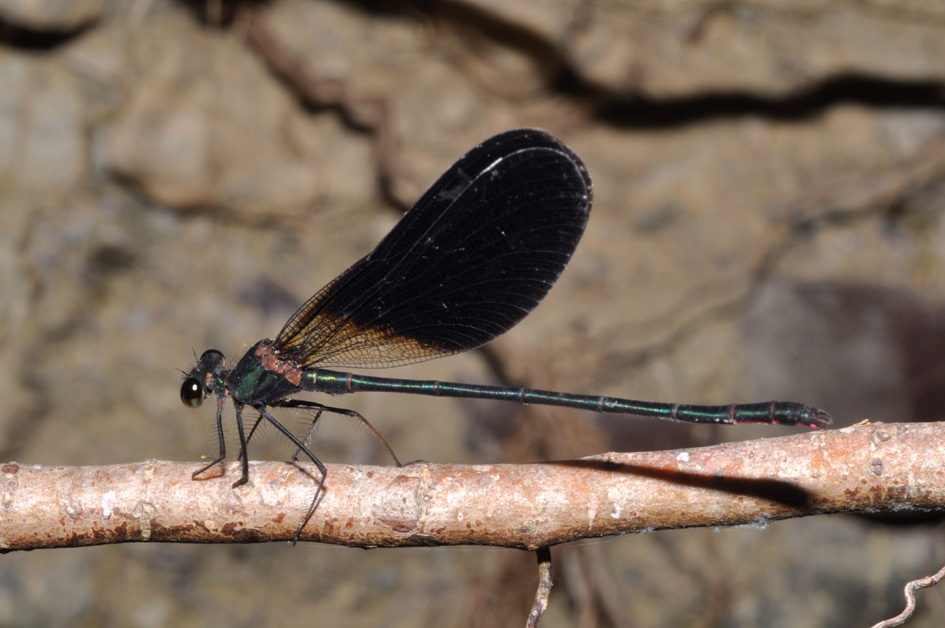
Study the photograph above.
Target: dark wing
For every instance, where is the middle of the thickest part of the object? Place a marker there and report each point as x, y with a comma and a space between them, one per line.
479, 250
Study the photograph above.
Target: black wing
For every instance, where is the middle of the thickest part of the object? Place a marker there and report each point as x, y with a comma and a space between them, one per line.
478, 251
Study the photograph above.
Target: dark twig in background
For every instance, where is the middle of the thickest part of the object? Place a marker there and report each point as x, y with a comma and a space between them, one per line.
363, 112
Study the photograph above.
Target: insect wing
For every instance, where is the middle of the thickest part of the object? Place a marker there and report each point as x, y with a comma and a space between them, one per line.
478, 251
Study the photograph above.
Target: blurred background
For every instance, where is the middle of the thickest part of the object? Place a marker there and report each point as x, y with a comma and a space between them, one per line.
769, 223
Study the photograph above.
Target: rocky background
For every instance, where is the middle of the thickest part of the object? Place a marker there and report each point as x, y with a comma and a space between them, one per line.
769, 222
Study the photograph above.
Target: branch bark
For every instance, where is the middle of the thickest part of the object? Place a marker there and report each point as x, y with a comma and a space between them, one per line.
863, 468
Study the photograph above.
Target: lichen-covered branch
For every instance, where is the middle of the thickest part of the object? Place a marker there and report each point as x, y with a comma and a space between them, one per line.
864, 468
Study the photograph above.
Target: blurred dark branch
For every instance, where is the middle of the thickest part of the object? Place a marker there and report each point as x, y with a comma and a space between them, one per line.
360, 112
868, 467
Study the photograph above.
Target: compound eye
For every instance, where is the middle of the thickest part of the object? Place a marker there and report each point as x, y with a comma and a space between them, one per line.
211, 360
191, 392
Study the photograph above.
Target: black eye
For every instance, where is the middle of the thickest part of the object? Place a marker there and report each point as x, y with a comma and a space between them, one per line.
191, 392
211, 360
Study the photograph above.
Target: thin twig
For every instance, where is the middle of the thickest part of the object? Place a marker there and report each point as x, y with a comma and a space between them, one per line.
543, 592
863, 468
921, 583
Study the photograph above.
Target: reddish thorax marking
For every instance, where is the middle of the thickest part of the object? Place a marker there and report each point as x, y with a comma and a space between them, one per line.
269, 358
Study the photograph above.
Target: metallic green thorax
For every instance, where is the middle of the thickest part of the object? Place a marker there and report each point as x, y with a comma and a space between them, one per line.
252, 383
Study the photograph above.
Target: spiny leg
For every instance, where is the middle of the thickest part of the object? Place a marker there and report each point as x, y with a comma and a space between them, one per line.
249, 437
244, 455
306, 439
308, 435
311, 405
220, 400
302, 448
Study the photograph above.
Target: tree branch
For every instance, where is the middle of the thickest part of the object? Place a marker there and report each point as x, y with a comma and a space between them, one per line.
863, 468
